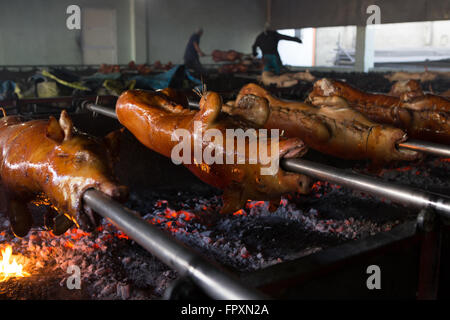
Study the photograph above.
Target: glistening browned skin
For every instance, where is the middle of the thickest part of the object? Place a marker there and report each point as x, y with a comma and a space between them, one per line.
152, 117
47, 159
425, 117
335, 130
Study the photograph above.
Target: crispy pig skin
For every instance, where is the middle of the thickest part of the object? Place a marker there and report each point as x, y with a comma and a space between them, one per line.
152, 118
49, 159
422, 116
336, 129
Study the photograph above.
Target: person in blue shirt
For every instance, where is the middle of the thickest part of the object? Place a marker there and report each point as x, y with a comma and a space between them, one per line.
193, 52
267, 41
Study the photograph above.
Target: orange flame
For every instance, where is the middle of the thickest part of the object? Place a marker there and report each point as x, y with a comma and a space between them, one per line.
10, 269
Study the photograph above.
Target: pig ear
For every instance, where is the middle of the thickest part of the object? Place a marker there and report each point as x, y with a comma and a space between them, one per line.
112, 142
66, 124
54, 131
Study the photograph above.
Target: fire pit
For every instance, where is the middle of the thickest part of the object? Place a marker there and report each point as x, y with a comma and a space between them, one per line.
306, 239
112, 266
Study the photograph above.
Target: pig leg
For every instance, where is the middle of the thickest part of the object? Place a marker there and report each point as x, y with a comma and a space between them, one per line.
19, 217
61, 224
49, 215
3, 200
56, 222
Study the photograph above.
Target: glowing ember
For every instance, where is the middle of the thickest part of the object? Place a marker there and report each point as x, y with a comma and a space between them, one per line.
403, 169
253, 204
239, 213
10, 269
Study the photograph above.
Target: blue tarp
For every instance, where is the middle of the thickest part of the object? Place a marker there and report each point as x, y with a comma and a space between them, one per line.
7, 89
162, 80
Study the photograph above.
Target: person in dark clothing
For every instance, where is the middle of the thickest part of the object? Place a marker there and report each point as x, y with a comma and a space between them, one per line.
267, 41
193, 52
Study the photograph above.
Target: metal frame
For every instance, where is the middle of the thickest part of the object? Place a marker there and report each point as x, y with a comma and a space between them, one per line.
277, 279
220, 284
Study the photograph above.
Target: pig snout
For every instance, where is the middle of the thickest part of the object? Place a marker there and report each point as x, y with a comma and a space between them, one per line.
292, 148
89, 219
116, 192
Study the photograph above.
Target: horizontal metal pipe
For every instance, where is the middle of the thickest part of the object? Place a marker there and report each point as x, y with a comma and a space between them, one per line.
404, 195
426, 147
215, 281
109, 112
193, 104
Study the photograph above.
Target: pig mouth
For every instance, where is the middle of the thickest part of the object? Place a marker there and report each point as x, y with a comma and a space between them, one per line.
403, 153
296, 149
292, 149
87, 218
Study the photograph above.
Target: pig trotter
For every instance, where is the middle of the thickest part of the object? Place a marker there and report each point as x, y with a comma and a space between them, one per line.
19, 217
56, 222
61, 224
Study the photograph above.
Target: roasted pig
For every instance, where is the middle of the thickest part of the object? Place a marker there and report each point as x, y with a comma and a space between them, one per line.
230, 55
336, 130
49, 162
422, 116
153, 118
285, 80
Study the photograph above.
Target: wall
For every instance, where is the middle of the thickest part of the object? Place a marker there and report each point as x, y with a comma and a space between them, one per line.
34, 31
232, 24
287, 14
433, 34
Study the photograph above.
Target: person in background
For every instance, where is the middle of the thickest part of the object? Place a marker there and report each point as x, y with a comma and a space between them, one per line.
267, 41
193, 52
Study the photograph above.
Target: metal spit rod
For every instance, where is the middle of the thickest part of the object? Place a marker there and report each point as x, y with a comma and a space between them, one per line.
397, 193
215, 281
109, 112
426, 147
405, 195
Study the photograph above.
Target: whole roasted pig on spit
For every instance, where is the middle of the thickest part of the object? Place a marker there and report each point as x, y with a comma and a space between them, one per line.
230, 55
422, 116
154, 117
419, 76
49, 162
285, 80
336, 130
